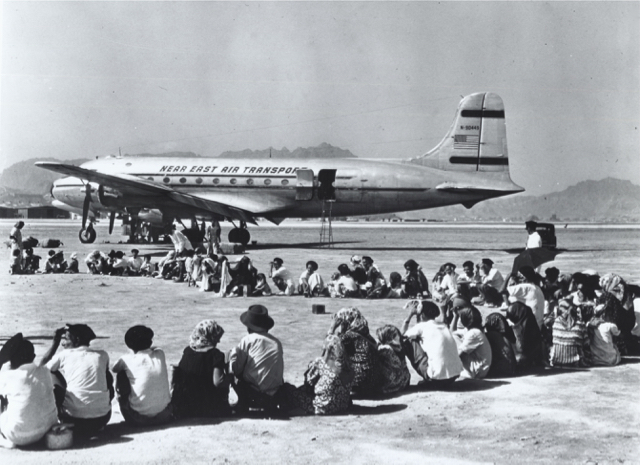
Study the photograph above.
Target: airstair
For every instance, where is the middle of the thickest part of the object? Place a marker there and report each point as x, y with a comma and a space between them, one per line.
326, 232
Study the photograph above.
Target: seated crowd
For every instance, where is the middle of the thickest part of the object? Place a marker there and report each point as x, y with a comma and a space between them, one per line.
586, 321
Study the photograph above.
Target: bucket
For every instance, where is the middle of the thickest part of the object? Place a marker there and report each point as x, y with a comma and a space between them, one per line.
59, 437
317, 309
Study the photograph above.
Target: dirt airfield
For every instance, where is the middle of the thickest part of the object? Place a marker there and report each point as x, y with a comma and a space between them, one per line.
549, 416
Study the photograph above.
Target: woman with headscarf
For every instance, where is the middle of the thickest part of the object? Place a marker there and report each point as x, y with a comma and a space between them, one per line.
200, 381
528, 347
311, 283
262, 288
394, 372
415, 283
327, 381
569, 337
617, 308
353, 330
473, 346
501, 339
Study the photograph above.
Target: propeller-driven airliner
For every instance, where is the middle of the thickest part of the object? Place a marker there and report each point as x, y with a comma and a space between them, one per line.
469, 165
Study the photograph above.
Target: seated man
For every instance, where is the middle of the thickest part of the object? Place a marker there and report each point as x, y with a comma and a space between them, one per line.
310, 283
490, 283
26, 394
83, 383
31, 261
97, 263
134, 263
142, 382
71, 264
430, 346
257, 362
282, 277
376, 285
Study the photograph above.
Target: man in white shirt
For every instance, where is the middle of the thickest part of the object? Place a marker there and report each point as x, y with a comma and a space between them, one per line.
490, 282
526, 290
180, 241
281, 277
534, 240
142, 381
86, 400
430, 346
27, 393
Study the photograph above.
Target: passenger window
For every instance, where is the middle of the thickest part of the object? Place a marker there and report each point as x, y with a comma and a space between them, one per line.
166, 180
233, 181
285, 182
183, 180
267, 182
198, 180
250, 181
216, 181
150, 178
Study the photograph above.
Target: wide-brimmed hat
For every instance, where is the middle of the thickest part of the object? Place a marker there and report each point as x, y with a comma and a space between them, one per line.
257, 318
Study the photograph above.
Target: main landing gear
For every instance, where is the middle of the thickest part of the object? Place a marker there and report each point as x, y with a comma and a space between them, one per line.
240, 235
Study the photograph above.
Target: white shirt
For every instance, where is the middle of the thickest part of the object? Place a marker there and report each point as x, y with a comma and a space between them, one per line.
147, 373
180, 241
530, 295
534, 241
31, 408
438, 343
135, 263
283, 274
348, 283
493, 278
85, 371
259, 360
603, 350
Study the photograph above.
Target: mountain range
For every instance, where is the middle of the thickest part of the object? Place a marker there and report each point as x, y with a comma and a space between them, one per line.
606, 200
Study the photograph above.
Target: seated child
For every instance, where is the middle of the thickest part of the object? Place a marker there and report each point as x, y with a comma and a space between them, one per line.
142, 382
392, 363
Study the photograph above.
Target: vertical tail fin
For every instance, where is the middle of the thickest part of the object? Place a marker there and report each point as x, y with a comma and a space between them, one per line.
477, 140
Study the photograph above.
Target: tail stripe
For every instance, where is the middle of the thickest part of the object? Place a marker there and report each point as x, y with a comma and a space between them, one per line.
487, 161
482, 114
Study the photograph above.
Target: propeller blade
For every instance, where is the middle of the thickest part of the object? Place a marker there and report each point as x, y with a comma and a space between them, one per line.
85, 205
112, 218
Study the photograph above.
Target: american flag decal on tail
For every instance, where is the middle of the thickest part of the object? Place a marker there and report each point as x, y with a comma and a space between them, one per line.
464, 141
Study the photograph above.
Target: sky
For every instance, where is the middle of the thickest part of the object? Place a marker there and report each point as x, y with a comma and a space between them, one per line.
381, 79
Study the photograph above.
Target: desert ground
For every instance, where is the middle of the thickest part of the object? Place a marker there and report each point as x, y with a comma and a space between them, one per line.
547, 416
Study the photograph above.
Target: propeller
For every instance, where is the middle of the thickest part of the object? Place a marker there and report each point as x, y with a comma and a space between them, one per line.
85, 205
112, 218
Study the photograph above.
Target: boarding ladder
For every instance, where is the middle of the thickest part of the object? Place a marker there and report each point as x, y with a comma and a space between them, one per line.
326, 232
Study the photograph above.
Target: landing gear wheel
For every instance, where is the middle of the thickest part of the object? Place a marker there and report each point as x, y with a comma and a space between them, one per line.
239, 236
87, 236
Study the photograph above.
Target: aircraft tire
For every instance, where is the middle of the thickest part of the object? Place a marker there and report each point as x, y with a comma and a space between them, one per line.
87, 236
244, 236
233, 235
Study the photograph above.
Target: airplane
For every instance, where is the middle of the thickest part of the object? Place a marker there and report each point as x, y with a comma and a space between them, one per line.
469, 165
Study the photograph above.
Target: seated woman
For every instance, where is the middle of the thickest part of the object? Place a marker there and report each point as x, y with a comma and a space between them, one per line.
262, 288
618, 308
310, 283
353, 330
327, 381
395, 286
142, 382
474, 348
528, 347
26, 394
415, 284
569, 337
394, 372
604, 351
200, 381
501, 339
429, 345
243, 278
71, 265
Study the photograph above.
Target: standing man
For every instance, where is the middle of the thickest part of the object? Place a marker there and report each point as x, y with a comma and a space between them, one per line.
15, 237
534, 240
180, 241
213, 237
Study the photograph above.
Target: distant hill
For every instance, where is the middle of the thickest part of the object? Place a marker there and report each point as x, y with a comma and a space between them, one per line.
324, 150
607, 200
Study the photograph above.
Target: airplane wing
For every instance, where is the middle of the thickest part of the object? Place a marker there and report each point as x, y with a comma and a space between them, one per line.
133, 185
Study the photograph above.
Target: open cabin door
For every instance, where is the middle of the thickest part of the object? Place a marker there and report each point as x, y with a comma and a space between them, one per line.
304, 184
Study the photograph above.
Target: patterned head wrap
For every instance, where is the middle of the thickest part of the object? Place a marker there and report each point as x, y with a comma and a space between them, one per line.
349, 319
206, 335
613, 284
336, 358
391, 336
567, 313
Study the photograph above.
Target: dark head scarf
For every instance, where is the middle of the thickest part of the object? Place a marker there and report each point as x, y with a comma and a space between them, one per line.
498, 323
391, 336
394, 279
17, 351
470, 317
411, 265
525, 327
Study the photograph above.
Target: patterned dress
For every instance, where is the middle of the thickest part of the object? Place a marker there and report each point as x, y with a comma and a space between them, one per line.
394, 372
322, 393
363, 355
568, 344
